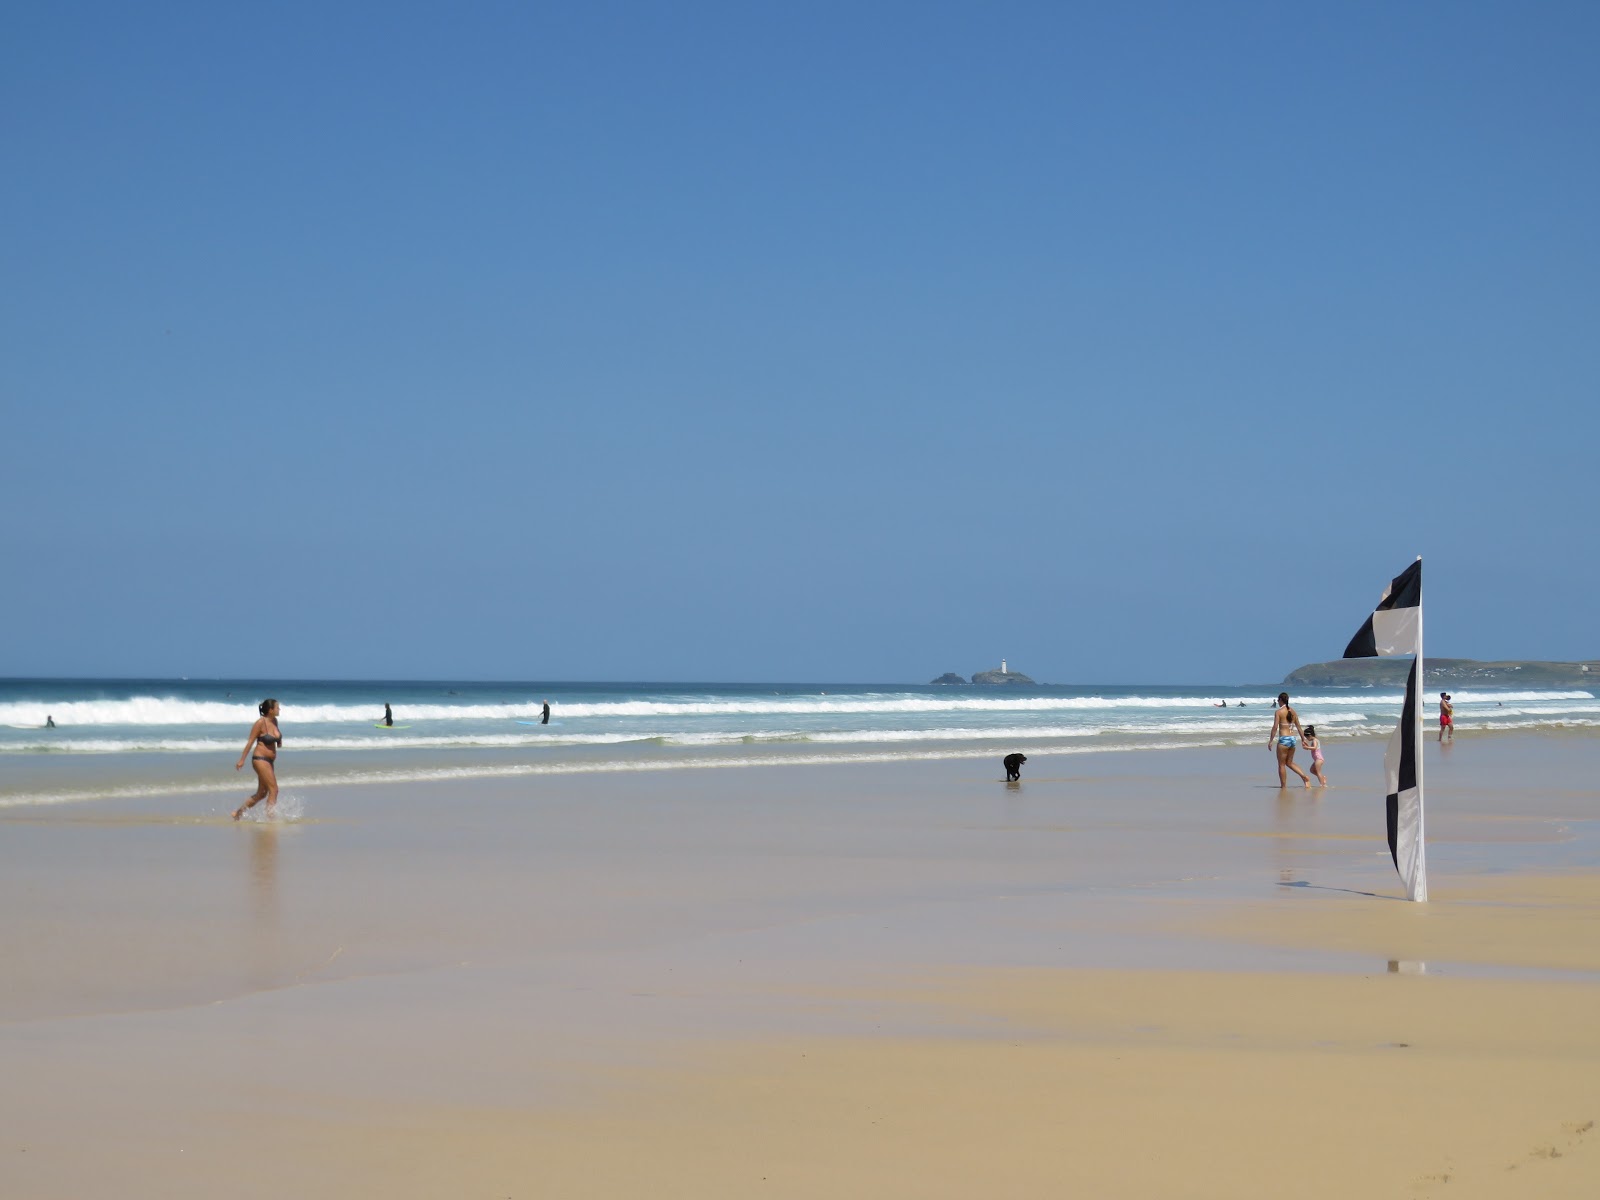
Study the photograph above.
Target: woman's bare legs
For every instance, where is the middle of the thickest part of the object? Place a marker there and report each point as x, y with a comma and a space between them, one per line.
266, 790
1286, 759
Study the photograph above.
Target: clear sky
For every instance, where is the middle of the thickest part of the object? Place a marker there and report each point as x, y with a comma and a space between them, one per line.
828, 341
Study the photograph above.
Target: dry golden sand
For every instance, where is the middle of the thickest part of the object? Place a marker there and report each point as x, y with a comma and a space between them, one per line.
1116, 1085
1086, 1083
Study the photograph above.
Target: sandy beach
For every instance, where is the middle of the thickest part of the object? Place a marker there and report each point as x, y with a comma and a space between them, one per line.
1139, 974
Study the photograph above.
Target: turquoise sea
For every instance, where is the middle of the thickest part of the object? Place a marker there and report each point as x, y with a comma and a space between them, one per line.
132, 737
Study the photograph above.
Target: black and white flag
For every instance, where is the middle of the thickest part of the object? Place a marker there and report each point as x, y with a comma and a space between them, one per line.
1395, 627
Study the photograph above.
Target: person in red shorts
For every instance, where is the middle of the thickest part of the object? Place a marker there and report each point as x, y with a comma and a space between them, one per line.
1446, 717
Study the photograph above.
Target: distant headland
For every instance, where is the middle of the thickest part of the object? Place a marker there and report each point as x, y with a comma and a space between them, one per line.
1463, 672
1004, 677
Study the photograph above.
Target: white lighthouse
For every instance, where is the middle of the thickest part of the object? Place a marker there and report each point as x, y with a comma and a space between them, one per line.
1002, 666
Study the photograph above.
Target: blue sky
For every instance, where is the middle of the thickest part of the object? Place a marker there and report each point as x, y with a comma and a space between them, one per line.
851, 342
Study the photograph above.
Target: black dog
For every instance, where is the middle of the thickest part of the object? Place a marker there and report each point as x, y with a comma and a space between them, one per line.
1014, 766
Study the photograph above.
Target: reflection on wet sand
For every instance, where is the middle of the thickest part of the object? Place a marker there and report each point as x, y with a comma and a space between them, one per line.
1287, 822
264, 866
266, 941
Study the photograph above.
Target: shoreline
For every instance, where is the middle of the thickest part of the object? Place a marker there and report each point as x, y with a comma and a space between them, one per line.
35, 779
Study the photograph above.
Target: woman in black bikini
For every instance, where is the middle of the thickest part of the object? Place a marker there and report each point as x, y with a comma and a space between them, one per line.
266, 737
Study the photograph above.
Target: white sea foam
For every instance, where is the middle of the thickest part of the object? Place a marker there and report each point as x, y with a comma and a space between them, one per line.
1500, 697
141, 711
174, 745
1348, 723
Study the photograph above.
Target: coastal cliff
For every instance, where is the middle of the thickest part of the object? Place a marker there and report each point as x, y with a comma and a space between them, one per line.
1461, 672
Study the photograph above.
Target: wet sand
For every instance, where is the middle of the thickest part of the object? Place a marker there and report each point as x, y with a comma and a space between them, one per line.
1131, 975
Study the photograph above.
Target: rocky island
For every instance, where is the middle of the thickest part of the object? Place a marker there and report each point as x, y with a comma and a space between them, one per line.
1003, 677
1460, 672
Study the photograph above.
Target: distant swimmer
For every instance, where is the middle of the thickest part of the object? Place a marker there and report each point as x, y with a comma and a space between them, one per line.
49, 721
1220, 704
265, 736
544, 719
1013, 764
388, 717
1241, 704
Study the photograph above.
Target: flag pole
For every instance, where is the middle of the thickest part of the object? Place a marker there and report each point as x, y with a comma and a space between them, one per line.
1419, 891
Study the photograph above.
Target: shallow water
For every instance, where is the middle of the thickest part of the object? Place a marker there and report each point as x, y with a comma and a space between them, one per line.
126, 739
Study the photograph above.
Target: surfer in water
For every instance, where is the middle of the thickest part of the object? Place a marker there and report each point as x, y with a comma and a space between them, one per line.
545, 719
388, 717
266, 737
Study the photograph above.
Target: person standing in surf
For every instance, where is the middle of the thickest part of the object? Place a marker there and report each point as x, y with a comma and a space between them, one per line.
388, 717
1283, 742
266, 737
545, 719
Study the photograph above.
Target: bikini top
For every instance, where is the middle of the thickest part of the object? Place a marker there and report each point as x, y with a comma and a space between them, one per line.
270, 741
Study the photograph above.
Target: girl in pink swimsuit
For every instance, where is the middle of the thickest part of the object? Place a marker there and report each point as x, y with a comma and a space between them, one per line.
1308, 739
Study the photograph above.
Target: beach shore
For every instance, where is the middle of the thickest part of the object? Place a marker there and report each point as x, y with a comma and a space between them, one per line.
1132, 974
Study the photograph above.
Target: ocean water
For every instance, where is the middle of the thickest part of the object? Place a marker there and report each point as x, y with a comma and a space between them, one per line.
128, 737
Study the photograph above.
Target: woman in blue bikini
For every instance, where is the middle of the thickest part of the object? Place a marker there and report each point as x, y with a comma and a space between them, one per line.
1284, 742
266, 737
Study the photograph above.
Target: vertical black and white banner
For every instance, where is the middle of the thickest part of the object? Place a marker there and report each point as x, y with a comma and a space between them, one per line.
1404, 799
1395, 627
